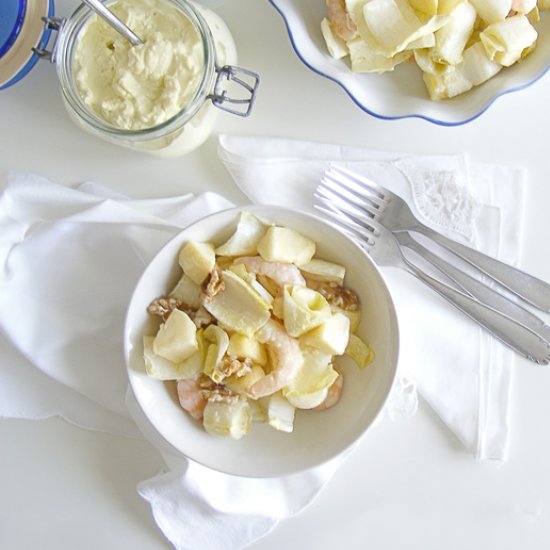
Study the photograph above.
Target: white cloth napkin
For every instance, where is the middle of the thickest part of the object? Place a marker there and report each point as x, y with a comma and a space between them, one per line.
70, 259
461, 371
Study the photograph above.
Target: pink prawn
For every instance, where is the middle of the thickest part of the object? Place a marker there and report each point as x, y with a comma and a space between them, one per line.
287, 360
281, 273
191, 398
340, 20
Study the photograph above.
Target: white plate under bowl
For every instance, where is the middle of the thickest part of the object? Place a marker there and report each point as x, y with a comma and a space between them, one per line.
317, 436
401, 93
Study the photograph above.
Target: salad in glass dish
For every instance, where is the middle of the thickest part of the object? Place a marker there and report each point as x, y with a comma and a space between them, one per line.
457, 44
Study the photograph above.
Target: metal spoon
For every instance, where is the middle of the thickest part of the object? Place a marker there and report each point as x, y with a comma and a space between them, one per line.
114, 21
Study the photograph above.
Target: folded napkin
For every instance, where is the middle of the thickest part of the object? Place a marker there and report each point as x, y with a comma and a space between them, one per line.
62, 312
70, 259
459, 369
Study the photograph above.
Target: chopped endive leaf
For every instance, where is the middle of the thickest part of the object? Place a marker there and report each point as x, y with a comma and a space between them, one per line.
447, 6
258, 410
261, 290
335, 45
227, 419
303, 309
534, 16
394, 24
250, 229
429, 7
451, 39
217, 341
525, 7
162, 369
321, 270
506, 41
280, 413
492, 11
364, 60
239, 270
447, 83
307, 400
361, 353
315, 374
238, 306
426, 63
269, 284
426, 41
474, 69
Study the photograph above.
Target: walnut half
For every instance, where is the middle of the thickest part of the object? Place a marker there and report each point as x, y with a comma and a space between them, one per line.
212, 285
162, 307
335, 294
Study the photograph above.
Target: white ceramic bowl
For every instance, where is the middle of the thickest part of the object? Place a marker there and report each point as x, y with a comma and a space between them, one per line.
317, 436
401, 93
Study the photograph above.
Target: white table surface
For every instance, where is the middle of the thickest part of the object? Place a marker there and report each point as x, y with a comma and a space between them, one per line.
409, 484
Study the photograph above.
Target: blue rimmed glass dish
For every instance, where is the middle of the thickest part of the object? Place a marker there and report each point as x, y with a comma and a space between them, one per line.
401, 94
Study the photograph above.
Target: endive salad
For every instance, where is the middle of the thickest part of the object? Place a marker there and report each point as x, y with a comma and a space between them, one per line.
458, 44
252, 329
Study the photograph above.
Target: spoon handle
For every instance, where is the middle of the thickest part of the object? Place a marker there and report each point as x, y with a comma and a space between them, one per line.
114, 21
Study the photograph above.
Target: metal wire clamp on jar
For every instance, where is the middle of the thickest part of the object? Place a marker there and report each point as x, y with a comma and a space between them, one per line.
191, 126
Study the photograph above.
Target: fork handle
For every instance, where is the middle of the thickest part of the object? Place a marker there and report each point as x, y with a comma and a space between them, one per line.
510, 332
529, 288
479, 289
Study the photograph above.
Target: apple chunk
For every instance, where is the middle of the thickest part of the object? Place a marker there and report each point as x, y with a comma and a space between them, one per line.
197, 260
176, 338
282, 244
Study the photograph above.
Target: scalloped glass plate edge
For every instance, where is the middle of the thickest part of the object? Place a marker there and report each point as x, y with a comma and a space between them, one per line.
281, 6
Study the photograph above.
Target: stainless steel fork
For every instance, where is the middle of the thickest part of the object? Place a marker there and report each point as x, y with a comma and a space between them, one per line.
395, 214
476, 288
384, 248
465, 282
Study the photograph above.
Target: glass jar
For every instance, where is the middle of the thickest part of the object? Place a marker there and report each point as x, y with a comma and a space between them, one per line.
220, 84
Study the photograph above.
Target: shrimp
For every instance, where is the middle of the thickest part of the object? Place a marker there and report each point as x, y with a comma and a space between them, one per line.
334, 392
281, 273
340, 20
191, 398
287, 359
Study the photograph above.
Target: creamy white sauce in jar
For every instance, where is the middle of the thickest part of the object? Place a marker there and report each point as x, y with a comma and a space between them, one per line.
137, 89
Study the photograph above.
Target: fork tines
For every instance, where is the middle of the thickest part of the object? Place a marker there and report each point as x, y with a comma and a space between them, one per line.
354, 189
347, 224
358, 184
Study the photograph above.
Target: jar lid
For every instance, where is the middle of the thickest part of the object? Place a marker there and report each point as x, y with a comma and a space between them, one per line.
21, 30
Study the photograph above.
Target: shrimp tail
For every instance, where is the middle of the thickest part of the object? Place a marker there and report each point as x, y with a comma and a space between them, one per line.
334, 392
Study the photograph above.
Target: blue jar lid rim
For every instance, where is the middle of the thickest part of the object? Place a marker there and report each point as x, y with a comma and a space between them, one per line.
11, 23
20, 56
